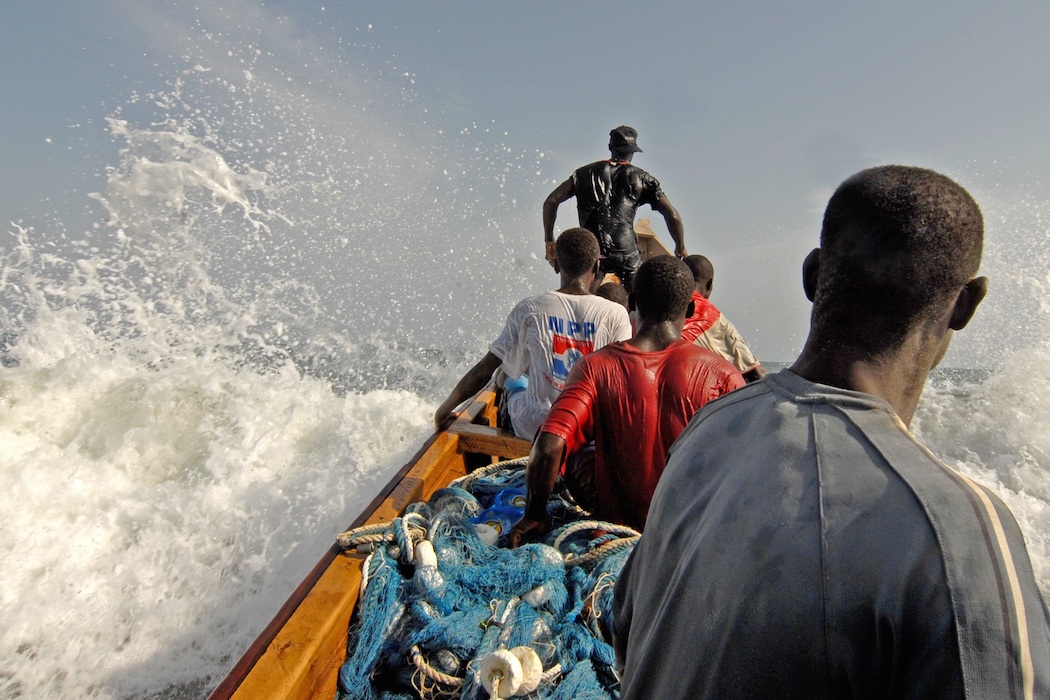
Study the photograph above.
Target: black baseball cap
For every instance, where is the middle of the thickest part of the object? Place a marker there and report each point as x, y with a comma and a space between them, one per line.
624, 138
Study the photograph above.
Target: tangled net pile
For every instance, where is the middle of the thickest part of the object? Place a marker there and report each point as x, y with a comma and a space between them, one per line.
446, 614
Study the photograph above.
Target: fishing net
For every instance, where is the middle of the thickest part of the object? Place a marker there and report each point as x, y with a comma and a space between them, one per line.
446, 611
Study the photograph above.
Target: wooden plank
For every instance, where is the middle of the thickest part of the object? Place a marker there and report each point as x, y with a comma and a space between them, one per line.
304, 658
444, 472
490, 441
648, 244
412, 486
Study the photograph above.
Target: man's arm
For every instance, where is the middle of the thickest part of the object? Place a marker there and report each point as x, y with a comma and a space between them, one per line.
571, 416
544, 464
674, 224
742, 357
471, 383
560, 194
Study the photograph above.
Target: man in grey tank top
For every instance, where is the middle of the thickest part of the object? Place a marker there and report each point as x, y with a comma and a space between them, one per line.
801, 542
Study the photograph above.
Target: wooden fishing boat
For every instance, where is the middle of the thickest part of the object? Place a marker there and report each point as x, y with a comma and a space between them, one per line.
299, 653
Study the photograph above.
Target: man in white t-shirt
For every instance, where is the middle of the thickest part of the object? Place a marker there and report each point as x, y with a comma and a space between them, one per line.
545, 335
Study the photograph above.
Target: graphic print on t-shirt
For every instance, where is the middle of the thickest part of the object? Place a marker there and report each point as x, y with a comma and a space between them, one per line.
571, 341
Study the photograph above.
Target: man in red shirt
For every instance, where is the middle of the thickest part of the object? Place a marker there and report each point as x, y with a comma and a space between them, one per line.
632, 399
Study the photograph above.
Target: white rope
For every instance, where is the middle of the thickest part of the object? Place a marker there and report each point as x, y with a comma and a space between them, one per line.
432, 673
599, 552
464, 482
365, 576
569, 530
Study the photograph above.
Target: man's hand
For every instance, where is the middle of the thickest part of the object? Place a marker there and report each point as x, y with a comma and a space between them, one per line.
442, 417
679, 251
471, 383
527, 529
545, 460
549, 254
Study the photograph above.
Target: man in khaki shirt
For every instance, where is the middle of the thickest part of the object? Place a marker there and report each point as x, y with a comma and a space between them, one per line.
709, 328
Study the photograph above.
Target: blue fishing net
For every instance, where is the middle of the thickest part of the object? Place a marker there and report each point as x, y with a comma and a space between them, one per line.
424, 624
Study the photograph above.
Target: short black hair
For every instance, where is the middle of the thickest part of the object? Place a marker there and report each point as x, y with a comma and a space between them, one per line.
663, 288
576, 251
702, 269
896, 243
614, 291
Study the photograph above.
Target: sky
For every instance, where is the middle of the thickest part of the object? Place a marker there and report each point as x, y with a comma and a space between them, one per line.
749, 113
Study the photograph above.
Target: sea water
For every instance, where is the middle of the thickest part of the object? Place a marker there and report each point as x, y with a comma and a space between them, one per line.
203, 383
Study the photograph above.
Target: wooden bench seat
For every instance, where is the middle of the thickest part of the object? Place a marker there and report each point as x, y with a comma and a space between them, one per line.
483, 439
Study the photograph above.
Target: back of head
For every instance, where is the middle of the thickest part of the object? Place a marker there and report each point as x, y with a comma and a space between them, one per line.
576, 251
614, 292
702, 269
663, 288
623, 142
896, 244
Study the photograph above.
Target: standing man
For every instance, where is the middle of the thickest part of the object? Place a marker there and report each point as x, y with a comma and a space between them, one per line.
544, 336
709, 328
632, 399
608, 193
803, 543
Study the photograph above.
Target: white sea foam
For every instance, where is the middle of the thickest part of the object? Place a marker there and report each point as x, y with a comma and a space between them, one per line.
203, 388
992, 425
170, 471
151, 511
995, 431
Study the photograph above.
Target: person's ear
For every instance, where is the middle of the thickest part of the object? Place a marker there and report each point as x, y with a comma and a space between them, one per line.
811, 273
690, 309
966, 303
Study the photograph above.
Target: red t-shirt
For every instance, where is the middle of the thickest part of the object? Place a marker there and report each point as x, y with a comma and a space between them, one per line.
633, 404
705, 314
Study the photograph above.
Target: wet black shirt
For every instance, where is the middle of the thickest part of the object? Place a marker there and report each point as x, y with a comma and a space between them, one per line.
608, 193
